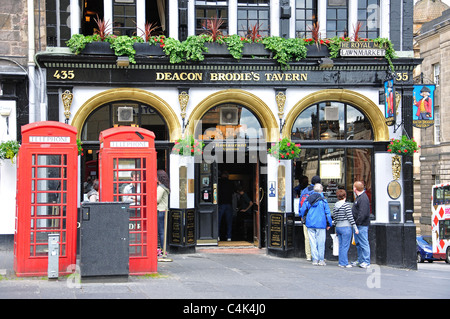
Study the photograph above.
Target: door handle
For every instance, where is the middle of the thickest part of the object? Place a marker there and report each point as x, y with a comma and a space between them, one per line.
261, 190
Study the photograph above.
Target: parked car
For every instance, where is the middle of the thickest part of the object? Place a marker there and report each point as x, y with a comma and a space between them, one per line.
424, 249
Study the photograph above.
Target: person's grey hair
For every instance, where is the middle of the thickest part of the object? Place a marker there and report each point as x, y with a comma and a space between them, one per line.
318, 188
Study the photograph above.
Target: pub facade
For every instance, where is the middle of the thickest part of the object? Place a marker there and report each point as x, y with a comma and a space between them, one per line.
332, 104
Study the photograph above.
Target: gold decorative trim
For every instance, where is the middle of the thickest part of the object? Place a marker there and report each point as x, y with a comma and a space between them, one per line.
67, 98
367, 106
244, 98
138, 95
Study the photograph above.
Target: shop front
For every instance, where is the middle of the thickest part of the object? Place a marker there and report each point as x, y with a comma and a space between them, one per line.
237, 110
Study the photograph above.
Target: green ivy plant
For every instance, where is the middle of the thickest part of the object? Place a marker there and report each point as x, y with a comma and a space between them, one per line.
235, 45
123, 46
192, 49
9, 150
285, 50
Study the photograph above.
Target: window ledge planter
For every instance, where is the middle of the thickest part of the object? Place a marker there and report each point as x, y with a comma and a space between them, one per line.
98, 48
217, 49
146, 49
255, 49
316, 51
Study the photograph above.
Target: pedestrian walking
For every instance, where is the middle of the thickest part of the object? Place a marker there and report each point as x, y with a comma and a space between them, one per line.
317, 220
162, 202
344, 222
361, 215
303, 196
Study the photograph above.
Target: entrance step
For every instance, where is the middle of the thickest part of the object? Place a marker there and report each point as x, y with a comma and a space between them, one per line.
232, 247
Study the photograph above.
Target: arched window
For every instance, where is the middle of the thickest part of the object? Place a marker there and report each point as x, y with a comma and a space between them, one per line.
332, 121
228, 120
337, 144
124, 113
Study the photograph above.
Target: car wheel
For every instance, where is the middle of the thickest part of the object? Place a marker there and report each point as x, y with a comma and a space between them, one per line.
419, 258
447, 256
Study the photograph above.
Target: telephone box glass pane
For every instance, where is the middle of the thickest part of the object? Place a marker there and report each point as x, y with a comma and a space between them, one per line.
129, 185
48, 198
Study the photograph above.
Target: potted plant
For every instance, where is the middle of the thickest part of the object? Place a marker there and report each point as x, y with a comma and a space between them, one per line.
213, 36
316, 47
188, 146
9, 150
253, 45
151, 42
101, 40
284, 149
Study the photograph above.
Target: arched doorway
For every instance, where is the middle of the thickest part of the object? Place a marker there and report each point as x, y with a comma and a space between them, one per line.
231, 125
337, 130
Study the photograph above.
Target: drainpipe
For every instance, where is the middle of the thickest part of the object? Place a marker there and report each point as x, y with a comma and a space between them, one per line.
31, 65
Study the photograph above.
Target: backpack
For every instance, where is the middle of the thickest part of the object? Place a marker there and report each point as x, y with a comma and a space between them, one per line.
305, 195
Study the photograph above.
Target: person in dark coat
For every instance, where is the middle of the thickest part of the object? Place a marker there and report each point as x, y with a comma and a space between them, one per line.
361, 215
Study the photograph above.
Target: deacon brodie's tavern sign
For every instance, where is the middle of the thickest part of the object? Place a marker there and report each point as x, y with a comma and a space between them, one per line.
308, 73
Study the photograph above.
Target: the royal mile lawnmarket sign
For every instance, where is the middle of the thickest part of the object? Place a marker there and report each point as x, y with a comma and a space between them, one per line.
361, 48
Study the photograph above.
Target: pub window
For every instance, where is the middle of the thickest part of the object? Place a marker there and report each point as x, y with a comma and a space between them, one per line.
251, 14
332, 120
124, 17
368, 17
305, 17
337, 18
228, 120
90, 10
205, 10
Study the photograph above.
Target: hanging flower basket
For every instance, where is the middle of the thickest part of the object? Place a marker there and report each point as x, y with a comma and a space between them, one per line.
188, 146
284, 149
403, 146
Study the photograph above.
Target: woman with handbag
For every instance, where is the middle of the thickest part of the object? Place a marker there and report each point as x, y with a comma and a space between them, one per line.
343, 219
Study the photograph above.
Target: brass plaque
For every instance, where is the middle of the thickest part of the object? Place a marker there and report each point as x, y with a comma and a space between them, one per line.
394, 189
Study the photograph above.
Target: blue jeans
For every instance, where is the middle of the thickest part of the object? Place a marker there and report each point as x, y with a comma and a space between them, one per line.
226, 211
161, 215
345, 237
362, 245
317, 242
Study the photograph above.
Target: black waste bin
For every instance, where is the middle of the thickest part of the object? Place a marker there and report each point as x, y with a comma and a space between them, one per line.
104, 239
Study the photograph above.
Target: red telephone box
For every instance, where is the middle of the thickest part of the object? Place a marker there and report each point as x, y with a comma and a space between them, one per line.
46, 201
127, 169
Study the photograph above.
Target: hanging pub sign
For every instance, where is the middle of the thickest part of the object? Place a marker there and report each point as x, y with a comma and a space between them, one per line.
389, 102
423, 105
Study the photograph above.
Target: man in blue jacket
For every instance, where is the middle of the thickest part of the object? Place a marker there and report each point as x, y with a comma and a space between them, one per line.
317, 220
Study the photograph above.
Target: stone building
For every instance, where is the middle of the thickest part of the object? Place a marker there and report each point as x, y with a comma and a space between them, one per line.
433, 40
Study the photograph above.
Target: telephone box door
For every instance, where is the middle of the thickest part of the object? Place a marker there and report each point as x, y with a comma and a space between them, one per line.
46, 197
127, 169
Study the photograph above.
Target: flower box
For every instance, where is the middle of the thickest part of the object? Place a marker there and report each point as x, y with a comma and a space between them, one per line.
314, 51
217, 49
255, 49
98, 48
146, 49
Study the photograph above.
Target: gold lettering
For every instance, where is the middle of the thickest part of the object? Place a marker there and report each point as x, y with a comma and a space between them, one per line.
304, 76
175, 77
288, 77
213, 76
295, 77
221, 77
159, 76
255, 76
